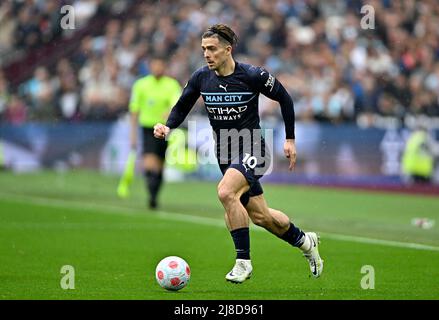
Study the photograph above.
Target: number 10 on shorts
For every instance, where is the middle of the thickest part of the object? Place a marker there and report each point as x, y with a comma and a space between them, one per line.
250, 161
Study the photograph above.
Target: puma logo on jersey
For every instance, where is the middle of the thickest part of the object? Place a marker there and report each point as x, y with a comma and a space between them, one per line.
223, 87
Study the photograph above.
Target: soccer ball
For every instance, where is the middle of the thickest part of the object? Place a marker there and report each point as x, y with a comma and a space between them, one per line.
172, 273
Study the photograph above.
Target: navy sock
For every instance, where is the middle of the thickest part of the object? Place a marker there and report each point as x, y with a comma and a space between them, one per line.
241, 238
294, 236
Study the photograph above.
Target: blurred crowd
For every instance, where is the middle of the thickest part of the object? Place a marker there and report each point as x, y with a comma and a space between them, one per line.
335, 70
28, 24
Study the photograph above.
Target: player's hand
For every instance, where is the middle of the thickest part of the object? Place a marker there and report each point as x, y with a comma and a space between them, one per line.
290, 152
161, 131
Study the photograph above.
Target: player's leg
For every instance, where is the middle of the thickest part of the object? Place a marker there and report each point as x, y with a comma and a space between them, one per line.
230, 189
279, 224
226, 219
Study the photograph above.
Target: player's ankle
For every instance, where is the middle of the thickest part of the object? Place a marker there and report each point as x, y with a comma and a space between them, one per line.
307, 244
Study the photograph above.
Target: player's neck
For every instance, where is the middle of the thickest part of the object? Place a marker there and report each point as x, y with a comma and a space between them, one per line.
227, 68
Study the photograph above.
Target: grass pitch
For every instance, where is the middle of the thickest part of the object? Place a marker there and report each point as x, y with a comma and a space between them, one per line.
48, 220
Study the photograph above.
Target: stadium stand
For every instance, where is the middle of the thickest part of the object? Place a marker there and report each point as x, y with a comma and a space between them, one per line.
335, 70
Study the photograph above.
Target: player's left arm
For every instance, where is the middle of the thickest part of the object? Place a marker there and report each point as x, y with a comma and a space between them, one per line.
271, 87
181, 109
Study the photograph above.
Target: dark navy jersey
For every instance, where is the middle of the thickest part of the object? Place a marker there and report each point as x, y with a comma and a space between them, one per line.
231, 101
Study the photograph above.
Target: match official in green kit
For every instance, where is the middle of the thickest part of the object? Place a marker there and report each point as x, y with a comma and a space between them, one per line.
151, 101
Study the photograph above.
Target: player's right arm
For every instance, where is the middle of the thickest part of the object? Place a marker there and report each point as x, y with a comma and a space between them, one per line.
179, 112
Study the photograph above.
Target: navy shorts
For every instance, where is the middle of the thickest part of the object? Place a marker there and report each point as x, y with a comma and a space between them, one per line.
253, 166
252, 179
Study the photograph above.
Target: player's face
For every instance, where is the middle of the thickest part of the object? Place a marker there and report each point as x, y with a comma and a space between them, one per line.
158, 67
215, 52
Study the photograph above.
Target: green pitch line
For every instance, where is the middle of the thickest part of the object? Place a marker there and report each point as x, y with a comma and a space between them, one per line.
349, 213
115, 255
48, 220
112, 209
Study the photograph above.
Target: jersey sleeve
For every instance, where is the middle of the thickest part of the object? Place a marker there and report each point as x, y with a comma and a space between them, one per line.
134, 105
191, 92
265, 83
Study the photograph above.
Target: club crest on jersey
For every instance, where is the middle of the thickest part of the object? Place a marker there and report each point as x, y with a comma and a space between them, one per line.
270, 82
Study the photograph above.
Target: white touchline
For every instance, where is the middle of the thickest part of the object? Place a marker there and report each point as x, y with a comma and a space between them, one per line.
113, 209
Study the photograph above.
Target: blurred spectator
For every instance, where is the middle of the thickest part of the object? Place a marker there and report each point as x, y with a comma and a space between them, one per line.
39, 92
110, 39
366, 93
398, 89
93, 92
84, 10
16, 111
388, 106
67, 98
50, 21
4, 95
7, 27
424, 103
27, 34
340, 106
103, 96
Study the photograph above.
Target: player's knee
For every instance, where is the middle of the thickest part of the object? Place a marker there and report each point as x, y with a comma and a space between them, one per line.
225, 194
